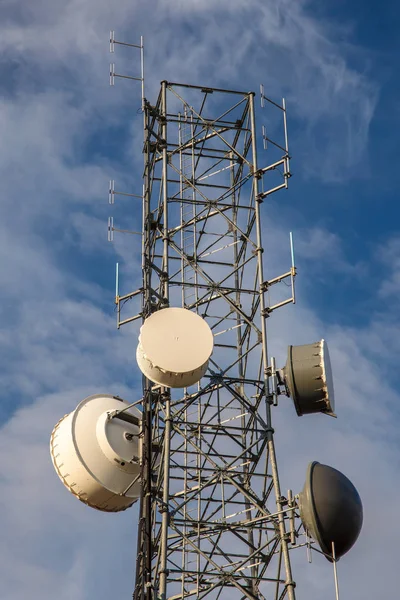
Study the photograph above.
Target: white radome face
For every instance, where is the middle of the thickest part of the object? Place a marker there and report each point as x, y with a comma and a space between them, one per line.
175, 345
97, 458
327, 374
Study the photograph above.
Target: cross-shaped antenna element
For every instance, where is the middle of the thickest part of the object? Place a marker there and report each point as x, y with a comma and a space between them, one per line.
113, 74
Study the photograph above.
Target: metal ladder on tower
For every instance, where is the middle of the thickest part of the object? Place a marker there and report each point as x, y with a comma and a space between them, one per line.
188, 208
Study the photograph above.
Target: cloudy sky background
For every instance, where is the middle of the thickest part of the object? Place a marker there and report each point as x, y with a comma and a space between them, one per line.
65, 133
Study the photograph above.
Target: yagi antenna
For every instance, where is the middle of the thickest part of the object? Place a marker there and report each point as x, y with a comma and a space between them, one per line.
281, 278
113, 74
282, 146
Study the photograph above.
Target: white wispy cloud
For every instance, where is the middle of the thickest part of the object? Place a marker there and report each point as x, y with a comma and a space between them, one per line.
389, 257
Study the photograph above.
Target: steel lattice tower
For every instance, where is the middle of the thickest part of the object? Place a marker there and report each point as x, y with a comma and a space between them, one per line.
212, 517
213, 522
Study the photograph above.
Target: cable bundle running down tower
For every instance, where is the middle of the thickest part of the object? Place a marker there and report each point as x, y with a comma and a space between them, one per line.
213, 520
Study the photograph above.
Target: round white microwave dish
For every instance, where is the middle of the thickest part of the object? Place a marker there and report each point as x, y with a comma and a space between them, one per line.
98, 458
175, 345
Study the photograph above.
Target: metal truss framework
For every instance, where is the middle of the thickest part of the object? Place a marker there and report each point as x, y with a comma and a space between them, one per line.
213, 522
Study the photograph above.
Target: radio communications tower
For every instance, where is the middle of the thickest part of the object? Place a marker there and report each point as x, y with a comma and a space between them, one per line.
197, 450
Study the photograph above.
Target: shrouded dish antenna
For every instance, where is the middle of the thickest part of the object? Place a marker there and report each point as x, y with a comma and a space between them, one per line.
308, 378
97, 455
175, 345
330, 509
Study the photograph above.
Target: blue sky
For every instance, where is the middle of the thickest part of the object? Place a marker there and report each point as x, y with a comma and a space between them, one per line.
65, 133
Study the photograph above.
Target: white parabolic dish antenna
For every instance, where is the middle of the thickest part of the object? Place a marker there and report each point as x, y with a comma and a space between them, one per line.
175, 345
97, 457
